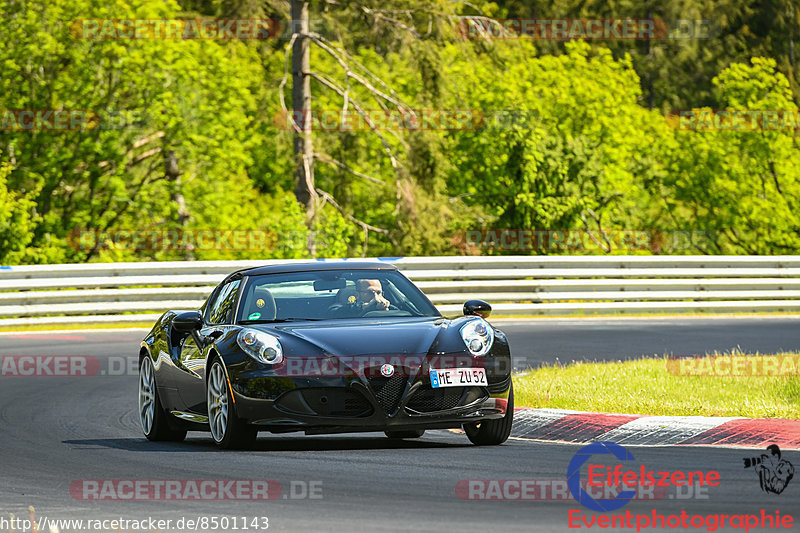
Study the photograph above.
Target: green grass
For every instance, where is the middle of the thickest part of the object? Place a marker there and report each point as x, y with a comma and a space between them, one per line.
646, 386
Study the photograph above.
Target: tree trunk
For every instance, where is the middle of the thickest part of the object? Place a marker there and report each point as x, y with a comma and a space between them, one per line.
304, 188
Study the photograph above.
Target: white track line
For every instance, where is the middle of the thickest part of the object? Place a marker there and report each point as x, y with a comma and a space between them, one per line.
663, 430
528, 420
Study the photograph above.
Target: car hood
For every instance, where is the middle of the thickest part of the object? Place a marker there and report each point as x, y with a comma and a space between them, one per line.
407, 336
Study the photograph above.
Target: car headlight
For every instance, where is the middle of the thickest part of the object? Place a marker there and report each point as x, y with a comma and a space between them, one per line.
478, 336
260, 346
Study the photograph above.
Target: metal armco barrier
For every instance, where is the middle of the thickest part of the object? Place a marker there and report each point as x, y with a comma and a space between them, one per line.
514, 285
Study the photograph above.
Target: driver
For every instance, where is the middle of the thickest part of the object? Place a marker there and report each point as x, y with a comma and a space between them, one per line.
369, 295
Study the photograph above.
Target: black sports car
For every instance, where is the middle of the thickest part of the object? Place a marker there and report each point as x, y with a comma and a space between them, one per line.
324, 347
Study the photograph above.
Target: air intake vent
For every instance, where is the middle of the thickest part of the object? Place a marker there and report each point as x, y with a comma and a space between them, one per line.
388, 391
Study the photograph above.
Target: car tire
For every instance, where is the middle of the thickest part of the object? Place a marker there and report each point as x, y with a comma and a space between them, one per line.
405, 434
492, 432
153, 418
227, 430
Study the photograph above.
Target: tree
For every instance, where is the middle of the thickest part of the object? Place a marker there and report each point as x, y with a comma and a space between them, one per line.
338, 71
565, 144
741, 185
304, 189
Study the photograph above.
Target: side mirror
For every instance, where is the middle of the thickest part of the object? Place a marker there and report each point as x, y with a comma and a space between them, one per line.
188, 321
477, 308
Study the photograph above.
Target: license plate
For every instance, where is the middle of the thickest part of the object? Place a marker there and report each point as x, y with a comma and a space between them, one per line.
458, 377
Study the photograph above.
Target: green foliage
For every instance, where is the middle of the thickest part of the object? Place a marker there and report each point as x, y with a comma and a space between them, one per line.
192, 98
334, 234
741, 187
16, 223
565, 144
192, 135
703, 38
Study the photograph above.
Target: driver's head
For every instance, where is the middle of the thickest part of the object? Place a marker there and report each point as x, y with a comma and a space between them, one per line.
368, 289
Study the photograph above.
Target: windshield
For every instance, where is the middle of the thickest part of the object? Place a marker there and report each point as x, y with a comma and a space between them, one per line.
330, 295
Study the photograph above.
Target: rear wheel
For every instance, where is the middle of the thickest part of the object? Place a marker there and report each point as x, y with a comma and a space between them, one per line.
406, 434
227, 429
153, 418
492, 432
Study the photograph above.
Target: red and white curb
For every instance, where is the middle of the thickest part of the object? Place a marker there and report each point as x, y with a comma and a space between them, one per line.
642, 430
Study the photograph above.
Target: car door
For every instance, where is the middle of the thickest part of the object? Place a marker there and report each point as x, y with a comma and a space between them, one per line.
218, 315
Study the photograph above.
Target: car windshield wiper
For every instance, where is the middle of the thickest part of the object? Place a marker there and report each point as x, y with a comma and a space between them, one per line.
279, 320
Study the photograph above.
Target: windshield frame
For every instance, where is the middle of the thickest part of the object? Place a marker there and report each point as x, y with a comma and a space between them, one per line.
250, 281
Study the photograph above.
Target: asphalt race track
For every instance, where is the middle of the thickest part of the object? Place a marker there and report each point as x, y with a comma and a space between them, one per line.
57, 431
566, 340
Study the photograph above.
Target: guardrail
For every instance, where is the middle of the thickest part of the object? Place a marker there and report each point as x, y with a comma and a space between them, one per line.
514, 285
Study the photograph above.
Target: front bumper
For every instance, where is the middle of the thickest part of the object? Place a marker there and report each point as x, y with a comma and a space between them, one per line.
357, 403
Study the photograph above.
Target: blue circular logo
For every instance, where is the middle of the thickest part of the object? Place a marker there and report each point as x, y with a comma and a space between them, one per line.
574, 477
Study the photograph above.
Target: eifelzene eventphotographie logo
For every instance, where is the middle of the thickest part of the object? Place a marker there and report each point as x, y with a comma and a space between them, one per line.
774, 472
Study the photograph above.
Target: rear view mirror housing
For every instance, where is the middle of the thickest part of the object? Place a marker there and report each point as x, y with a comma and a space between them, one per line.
329, 285
477, 308
187, 321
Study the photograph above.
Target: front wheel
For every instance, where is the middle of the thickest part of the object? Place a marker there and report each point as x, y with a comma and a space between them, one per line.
153, 417
492, 432
227, 429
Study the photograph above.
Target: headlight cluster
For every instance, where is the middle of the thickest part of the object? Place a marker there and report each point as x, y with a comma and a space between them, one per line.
478, 336
260, 346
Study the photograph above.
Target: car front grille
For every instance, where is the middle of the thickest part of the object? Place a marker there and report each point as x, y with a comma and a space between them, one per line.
388, 391
428, 400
